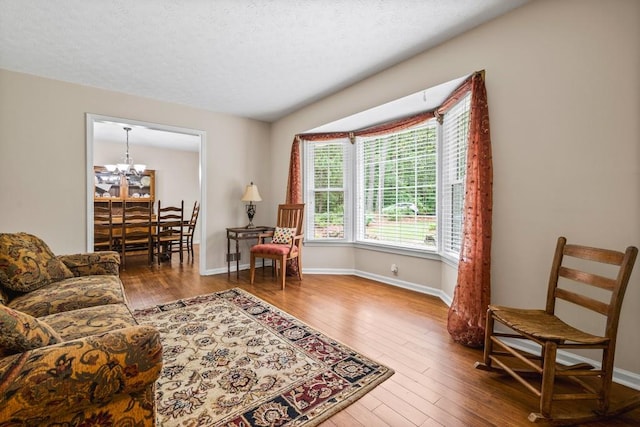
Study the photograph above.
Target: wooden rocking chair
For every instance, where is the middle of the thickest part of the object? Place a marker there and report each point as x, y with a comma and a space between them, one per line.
567, 279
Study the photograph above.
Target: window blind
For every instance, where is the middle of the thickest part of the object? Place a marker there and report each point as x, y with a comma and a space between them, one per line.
396, 187
326, 183
455, 131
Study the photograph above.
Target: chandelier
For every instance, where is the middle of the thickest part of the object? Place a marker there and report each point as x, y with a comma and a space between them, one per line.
127, 167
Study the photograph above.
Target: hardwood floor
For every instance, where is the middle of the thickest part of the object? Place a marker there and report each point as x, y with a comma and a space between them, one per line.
434, 383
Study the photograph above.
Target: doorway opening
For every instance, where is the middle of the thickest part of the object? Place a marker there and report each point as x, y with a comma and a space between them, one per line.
157, 146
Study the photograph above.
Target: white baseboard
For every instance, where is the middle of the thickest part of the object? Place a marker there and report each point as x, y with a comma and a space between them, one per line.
232, 267
620, 376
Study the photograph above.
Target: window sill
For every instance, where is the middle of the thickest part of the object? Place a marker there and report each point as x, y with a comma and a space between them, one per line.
418, 253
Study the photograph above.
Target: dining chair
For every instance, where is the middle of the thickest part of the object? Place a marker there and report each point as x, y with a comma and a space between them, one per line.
285, 243
136, 236
102, 227
168, 237
190, 227
583, 278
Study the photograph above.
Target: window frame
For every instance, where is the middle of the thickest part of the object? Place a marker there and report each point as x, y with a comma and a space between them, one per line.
361, 169
308, 180
351, 199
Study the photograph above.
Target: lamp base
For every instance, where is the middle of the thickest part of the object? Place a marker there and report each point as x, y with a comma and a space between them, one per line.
251, 211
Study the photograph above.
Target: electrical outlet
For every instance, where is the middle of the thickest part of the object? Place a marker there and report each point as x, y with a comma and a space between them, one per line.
394, 268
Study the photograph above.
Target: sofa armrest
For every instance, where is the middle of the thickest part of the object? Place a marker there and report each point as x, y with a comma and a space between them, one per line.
89, 264
43, 383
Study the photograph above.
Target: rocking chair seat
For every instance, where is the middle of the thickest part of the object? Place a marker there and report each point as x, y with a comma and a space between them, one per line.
543, 326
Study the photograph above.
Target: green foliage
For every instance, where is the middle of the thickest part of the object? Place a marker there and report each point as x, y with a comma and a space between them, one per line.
401, 169
328, 219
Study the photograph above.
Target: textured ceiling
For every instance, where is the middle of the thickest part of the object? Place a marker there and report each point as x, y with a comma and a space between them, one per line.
254, 58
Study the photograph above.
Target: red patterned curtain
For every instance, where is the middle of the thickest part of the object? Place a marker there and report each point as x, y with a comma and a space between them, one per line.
294, 183
472, 295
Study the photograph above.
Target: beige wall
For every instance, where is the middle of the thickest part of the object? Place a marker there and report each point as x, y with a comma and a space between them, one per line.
563, 81
42, 158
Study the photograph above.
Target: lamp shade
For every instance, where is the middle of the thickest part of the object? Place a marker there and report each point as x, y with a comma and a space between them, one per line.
251, 194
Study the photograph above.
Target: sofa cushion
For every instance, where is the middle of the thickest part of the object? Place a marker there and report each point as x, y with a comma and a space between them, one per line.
4, 296
89, 264
27, 263
20, 332
70, 294
90, 321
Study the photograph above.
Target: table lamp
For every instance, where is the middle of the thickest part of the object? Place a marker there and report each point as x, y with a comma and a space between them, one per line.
251, 195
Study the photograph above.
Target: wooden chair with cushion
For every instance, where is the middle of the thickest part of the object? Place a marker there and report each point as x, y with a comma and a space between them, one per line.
168, 237
285, 244
102, 227
136, 237
582, 276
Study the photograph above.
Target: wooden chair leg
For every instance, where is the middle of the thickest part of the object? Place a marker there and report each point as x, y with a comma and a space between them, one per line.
488, 343
283, 270
548, 378
299, 264
485, 365
605, 391
252, 268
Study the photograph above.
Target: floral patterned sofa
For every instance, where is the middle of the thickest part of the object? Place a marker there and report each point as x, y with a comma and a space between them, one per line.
71, 353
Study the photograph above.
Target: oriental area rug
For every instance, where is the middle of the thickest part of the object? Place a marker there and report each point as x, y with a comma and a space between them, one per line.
231, 359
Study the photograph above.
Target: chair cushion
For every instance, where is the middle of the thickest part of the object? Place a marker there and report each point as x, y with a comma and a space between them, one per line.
20, 332
283, 235
27, 263
272, 249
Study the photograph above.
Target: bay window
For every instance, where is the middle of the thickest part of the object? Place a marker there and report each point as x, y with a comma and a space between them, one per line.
402, 189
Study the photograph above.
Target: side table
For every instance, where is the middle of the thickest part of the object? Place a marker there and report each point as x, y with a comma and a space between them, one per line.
237, 234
